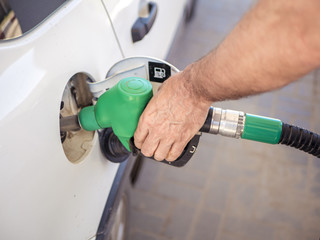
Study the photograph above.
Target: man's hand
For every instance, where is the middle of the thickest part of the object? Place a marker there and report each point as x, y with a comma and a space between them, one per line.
172, 117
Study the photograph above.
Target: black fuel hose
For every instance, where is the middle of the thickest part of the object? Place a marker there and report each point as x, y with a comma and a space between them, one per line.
300, 138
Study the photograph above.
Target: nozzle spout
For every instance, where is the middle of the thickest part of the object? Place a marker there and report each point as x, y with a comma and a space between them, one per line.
70, 123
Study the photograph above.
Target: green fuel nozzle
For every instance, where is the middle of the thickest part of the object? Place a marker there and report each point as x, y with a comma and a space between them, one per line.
119, 108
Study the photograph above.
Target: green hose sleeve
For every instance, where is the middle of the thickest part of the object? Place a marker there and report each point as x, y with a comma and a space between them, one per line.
262, 129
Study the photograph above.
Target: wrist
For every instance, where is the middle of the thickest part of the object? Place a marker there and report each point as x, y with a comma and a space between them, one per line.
195, 84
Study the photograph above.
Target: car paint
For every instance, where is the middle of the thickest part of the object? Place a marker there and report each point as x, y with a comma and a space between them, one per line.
158, 41
43, 195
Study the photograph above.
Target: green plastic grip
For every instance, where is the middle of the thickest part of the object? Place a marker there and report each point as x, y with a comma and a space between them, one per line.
262, 129
120, 108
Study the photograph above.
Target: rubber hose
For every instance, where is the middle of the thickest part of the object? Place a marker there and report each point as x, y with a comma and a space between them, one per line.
300, 138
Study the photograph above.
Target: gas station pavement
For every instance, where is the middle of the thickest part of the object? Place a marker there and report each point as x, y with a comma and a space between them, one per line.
233, 189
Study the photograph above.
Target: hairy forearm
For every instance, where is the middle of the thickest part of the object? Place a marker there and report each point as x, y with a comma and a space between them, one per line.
275, 43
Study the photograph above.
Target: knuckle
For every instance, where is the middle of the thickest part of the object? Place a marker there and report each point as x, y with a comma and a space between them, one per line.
175, 135
137, 144
137, 137
146, 152
171, 158
154, 137
137, 132
163, 149
158, 157
140, 129
148, 123
174, 154
145, 118
137, 141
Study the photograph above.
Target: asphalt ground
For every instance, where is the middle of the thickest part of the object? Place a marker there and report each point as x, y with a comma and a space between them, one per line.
234, 189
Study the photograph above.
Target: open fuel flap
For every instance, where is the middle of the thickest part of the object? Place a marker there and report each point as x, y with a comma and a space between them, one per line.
76, 142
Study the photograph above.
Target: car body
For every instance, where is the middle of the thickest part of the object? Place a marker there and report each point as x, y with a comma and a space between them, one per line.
46, 194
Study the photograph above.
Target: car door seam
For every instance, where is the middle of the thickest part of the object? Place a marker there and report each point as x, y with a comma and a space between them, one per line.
113, 29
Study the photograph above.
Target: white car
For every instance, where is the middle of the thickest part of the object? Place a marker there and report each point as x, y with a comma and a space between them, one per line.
56, 184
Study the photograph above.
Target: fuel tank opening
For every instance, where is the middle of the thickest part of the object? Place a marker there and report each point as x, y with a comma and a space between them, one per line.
111, 146
76, 142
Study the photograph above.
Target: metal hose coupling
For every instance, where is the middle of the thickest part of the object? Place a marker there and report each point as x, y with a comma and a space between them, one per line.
227, 122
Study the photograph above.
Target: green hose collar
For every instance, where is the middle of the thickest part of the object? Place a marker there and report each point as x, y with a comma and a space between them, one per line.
262, 129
